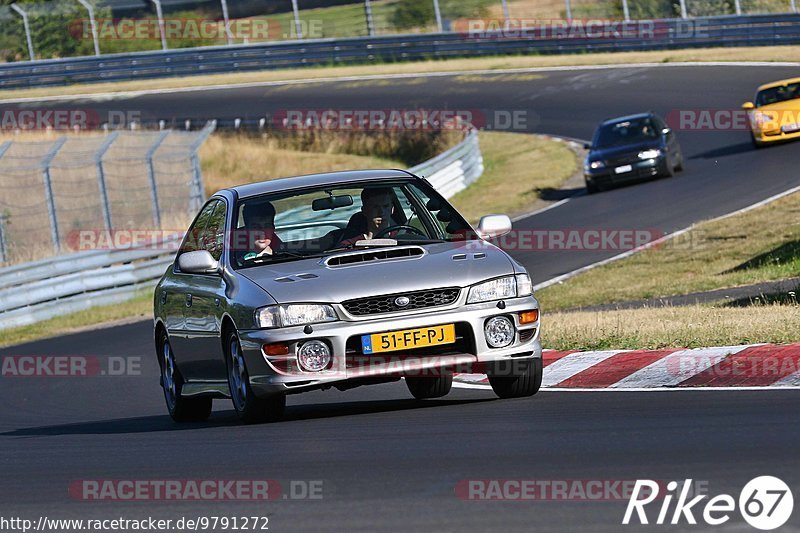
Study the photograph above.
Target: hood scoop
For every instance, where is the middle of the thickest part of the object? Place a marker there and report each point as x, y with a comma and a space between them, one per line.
369, 256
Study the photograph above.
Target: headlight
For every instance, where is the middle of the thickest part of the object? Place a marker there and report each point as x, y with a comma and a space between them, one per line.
281, 316
596, 164
496, 289
499, 332
649, 154
524, 285
314, 356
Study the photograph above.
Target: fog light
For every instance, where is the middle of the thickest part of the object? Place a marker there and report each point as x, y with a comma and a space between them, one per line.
313, 356
499, 332
527, 317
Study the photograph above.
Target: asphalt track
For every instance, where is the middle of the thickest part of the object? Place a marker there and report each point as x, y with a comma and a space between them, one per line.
386, 461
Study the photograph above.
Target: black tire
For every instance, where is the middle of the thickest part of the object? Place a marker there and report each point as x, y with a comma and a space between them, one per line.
756, 144
525, 382
250, 408
669, 170
181, 408
424, 388
681, 164
592, 188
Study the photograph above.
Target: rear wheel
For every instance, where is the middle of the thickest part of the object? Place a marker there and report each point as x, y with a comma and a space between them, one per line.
516, 379
181, 409
250, 408
424, 388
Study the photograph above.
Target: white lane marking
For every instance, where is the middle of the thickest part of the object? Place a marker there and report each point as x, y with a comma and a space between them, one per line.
651, 244
332, 79
542, 210
677, 367
571, 364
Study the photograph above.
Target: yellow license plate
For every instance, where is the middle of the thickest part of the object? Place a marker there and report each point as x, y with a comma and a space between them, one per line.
409, 338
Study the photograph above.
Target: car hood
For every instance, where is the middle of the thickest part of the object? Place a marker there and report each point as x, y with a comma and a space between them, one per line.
616, 151
452, 264
782, 113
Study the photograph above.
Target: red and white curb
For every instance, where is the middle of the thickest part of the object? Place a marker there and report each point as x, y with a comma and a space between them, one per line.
754, 366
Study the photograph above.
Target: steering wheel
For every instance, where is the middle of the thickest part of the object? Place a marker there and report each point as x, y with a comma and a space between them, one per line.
406, 227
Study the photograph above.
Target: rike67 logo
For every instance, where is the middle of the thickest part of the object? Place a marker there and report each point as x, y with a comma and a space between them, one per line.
765, 503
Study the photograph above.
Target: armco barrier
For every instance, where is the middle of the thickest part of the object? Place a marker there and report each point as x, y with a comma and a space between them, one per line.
40, 290
752, 30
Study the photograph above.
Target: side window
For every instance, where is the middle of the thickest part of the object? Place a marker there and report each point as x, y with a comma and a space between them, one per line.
192, 242
214, 234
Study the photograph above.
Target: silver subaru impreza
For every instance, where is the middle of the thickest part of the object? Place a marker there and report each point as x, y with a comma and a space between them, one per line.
339, 280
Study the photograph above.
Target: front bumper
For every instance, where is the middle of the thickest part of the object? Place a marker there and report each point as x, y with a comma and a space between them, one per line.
280, 374
641, 169
774, 136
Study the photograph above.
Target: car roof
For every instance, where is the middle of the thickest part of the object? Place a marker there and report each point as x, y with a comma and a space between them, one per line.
779, 83
627, 117
318, 180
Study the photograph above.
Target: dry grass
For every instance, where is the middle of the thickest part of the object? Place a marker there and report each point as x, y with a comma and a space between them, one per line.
229, 161
140, 307
762, 53
517, 167
760, 245
672, 327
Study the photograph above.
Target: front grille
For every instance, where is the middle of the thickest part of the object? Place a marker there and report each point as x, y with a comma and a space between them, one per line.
387, 303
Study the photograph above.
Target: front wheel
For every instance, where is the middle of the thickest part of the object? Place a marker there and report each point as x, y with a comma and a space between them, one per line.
424, 388
250, 408
181, 408
516, 379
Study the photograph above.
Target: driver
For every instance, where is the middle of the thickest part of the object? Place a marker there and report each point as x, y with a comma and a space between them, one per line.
259, 223
377, 208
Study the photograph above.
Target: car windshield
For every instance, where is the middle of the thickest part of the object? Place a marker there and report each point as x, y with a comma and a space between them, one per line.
314, 222
773, 95
626, 132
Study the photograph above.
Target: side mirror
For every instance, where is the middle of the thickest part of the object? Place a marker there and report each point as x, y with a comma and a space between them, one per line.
587, 146
199, 262
493, 226
747, 106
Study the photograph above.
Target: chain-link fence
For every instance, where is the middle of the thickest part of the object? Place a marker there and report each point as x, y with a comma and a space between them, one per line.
71, 28
56, 193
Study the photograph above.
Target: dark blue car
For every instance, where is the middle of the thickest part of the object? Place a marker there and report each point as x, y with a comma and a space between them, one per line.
631, 148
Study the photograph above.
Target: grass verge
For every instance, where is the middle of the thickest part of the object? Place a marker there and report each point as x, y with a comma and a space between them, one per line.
671, 327
139, 307
517, 167
762, 53
760, 245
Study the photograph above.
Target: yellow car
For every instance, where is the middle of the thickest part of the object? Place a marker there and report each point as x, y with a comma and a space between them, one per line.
775, 115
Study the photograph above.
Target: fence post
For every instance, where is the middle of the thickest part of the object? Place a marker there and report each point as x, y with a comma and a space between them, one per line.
93, 23
368, 14
3, 240
26, 24
227, 20
298, 28
568, 5
160, 15
101, 178
684, 13
794, 6
625, 10
438, 12
151, 175
506, 15
48, 192
197, 176
738, 7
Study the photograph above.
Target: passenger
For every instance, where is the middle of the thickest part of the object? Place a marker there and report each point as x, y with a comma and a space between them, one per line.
259, 224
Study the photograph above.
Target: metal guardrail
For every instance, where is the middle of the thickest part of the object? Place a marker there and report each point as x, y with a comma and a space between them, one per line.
41, 290
731, 30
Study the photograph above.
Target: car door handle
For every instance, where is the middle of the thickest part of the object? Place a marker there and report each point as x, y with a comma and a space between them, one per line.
188, 300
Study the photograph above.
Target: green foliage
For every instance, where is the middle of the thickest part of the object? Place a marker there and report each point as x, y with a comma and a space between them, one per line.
412, 14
